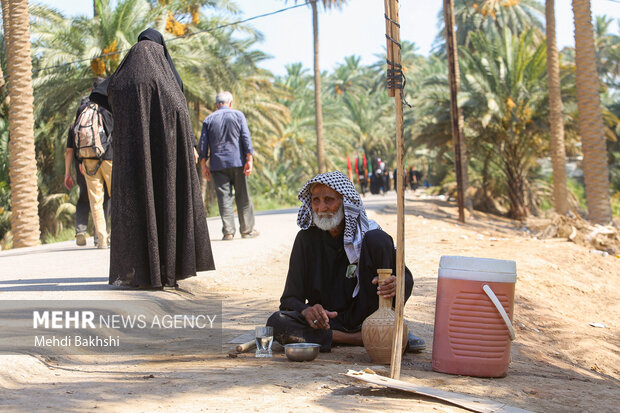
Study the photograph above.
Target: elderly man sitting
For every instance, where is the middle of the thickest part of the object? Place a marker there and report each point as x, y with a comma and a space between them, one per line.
331, 286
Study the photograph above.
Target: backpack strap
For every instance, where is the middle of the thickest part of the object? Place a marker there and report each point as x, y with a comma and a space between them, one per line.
96, 168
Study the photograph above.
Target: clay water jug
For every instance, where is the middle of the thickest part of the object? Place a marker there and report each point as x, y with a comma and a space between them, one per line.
378, 328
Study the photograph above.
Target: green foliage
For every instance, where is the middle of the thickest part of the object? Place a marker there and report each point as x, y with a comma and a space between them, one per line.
615, 204
503, 98
492, 17
66, 234
506, 82
4, 150
578, 190
5, 209
5, 191
264, 202
56, 213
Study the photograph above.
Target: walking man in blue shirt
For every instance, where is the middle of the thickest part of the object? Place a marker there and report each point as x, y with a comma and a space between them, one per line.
225, 141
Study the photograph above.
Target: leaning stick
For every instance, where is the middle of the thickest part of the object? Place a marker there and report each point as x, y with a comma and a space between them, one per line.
394, 60
388, 37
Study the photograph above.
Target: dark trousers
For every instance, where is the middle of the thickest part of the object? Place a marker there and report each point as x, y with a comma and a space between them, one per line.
377, 252
82, 208
225, 181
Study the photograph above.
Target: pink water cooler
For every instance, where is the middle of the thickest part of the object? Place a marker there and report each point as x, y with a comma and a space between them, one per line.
473, 316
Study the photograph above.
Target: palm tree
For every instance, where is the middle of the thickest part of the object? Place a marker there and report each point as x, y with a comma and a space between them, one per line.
492, 16
595, 168
23, 167
318, 111
59, 40
295, 142
363, 109
208, 62
558, 152
607, 46
347, 77
58, 91
368, 124
428, 122
506, 100
458, 138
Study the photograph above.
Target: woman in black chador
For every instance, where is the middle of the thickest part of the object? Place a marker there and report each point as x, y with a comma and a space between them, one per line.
159, 227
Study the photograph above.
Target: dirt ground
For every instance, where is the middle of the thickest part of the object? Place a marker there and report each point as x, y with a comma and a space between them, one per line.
560, 363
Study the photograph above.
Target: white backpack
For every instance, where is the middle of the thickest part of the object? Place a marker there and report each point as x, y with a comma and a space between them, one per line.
91, 140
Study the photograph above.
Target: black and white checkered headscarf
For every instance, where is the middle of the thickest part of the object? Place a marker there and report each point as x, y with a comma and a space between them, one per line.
356, 221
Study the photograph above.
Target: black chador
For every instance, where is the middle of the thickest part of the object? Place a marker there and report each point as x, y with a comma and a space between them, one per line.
159, 227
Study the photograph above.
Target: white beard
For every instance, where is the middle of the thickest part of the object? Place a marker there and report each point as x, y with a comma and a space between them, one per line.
327, 220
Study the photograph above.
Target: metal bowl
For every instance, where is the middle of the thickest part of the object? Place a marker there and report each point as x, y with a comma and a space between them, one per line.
301, 351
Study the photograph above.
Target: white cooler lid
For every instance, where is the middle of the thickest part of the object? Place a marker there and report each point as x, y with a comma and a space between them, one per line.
481, 269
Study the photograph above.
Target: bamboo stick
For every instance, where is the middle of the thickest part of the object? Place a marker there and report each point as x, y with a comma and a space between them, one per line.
389, 44
394, 33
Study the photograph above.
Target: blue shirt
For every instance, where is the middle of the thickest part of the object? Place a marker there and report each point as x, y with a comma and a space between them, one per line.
225, 139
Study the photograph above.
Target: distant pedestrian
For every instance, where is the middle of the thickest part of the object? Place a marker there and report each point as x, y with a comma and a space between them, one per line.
386, 179
395, 179
90, 140
361, 174
378, 180
226, 143
82, 208
413, 179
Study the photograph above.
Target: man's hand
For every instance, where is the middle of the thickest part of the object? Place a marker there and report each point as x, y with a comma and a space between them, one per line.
206, 173
68, 181
317, 317
68, 161
387, 288
247, 168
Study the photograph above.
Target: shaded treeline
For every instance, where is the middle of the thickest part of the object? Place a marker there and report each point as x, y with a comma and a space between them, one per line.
504, 100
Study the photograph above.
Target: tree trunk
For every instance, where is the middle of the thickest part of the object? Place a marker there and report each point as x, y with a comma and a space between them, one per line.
458, 139
516, 191
318, 111
558, 151
23, 166
593, 146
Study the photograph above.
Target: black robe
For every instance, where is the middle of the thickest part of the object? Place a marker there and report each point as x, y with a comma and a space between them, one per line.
317, 275
159, 227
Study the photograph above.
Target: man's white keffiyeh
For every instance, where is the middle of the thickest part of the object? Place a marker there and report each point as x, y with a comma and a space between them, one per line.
356, 221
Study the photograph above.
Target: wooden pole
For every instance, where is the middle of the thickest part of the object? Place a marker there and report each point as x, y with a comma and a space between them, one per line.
457, 130
394, 63
388, 37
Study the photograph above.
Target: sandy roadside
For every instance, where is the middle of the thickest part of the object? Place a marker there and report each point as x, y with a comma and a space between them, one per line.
560, 362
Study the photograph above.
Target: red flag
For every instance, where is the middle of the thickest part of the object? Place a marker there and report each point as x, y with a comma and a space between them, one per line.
365, 166
349, 168
357, 167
